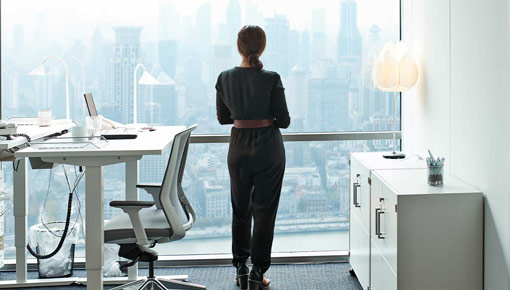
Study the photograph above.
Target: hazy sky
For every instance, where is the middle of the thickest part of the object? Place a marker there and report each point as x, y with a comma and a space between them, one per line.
77, 19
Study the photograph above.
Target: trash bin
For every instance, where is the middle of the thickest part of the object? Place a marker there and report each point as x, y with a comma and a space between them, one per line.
111, 267
45, 238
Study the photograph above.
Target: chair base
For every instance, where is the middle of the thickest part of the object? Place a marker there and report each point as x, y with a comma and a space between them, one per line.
159, 284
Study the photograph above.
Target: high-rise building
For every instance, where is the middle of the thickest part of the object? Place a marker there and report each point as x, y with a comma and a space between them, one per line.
349, 37
125, 58
305, 55
203, 32
328, 99
373, 100
165, 95
319, 40
222, 59
276, 55
168, 22
102, 51
297, 93
167, 56
252, 15
233, 20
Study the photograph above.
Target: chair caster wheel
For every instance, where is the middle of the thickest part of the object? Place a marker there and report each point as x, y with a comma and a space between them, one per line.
351, 271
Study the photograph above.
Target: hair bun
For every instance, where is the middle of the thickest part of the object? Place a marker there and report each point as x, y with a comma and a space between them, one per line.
254, 60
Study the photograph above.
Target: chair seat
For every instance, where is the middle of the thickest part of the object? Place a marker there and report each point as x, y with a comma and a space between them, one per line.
119, 230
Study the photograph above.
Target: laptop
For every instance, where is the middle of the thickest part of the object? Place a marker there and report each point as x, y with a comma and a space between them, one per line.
117, 133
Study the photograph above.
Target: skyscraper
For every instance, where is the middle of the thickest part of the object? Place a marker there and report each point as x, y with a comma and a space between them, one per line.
277, 55
167, 56
319, 43
349, 37
203, 32
373, 100
233, 20
252, 15
126, 57
168, 22
328, 99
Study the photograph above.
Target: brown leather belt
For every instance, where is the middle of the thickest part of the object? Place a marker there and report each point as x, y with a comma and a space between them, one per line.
243, 124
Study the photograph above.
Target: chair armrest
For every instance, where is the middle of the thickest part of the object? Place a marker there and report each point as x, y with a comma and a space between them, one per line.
153, 189
131, 203
132, 208
148, 185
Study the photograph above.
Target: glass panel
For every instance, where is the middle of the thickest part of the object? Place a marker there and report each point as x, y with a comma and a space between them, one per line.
324, 51
312, 216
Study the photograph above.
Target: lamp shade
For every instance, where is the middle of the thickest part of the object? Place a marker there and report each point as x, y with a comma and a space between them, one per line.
147, 79
38, 71
165, 80
395, 69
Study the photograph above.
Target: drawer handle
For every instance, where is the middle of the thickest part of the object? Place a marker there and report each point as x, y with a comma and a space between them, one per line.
378, 213
355, 187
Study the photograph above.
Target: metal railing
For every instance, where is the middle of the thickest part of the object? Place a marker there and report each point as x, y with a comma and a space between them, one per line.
303, 137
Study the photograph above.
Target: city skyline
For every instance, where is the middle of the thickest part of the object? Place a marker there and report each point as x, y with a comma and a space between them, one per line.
328, 88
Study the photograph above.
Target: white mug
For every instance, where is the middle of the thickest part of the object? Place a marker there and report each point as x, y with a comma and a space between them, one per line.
80, 131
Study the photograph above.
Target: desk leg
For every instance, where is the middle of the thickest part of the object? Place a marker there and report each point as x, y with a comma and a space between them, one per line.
94, 226
132, 194
20, 188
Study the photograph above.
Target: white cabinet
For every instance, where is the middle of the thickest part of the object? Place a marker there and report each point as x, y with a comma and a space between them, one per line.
419, 237
362, 166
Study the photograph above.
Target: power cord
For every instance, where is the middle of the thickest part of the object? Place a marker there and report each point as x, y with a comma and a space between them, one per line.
72, 190
22, 135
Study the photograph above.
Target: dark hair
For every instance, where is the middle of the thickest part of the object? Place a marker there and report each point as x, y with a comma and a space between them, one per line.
251, 42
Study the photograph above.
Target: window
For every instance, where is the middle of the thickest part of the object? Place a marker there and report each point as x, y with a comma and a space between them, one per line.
322, 49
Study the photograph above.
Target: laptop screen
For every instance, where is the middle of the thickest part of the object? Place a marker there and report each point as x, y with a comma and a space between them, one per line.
89, 100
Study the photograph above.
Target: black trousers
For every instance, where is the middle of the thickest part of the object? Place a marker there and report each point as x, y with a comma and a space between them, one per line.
256, 163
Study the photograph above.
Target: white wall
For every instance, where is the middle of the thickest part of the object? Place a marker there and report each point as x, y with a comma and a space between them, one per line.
460, 108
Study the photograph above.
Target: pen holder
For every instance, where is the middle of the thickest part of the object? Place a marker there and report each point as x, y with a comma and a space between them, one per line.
435, 175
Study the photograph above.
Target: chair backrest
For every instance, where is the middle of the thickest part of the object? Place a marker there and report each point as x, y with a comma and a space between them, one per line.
172, 199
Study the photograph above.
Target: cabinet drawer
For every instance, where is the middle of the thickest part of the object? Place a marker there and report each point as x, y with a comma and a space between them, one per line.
360, 193
389, 228
376, 212
360, 252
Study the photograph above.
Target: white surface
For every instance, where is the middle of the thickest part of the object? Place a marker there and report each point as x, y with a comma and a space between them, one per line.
414, 181
147, 143
94, 224
132, 194
20, 208
461, 108
117, 151
363, 163
360, 223
35, 132
375, 160
435, 238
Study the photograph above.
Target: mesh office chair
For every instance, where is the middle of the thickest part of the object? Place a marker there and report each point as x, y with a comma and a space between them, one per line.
143, 225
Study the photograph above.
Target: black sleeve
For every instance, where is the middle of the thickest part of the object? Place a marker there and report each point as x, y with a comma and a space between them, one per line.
279, 104
222, 111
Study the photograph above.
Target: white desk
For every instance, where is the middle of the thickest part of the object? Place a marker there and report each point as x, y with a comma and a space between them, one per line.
35, 132
7, 147
117, 151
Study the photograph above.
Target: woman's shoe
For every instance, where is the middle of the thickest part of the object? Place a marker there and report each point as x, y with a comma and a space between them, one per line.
257, 280
242, 274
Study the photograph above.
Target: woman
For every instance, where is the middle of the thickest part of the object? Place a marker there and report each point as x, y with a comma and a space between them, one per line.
253, 100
